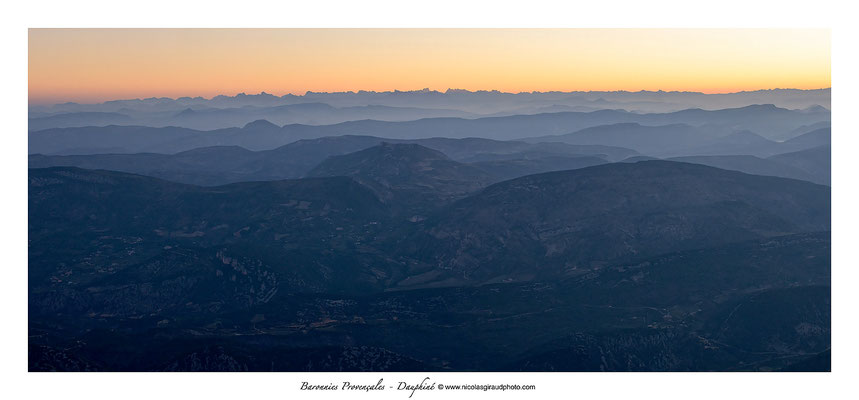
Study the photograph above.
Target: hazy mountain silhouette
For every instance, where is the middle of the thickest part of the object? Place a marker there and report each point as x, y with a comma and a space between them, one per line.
508, 168
815, 138
203, 117
78, 119
645, 139
752, 165
228, 164
738, 143
816, 161
764, 120
805, 129
407, 176
685, 140
477, 102
636, 159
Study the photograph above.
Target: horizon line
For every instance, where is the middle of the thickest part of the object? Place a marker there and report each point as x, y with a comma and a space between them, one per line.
424, 90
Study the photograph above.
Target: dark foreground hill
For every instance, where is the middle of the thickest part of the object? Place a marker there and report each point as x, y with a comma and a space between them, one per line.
645, 266
654, 140
570, 222
751, 306
114, 231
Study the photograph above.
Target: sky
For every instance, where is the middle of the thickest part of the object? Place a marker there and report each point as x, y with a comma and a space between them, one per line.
95, 65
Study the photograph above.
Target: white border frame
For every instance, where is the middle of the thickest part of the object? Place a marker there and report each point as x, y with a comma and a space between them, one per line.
445, 13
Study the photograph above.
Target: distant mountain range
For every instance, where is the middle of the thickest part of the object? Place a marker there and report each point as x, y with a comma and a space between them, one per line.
227, 164
681, 139
768, 121
653, 140
217, 118
406, 175
475, 102
501, 160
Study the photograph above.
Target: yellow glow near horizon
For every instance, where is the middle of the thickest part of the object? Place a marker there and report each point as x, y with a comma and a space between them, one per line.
94, 65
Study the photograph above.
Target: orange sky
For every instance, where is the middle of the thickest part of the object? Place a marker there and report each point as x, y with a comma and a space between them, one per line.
94, 65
